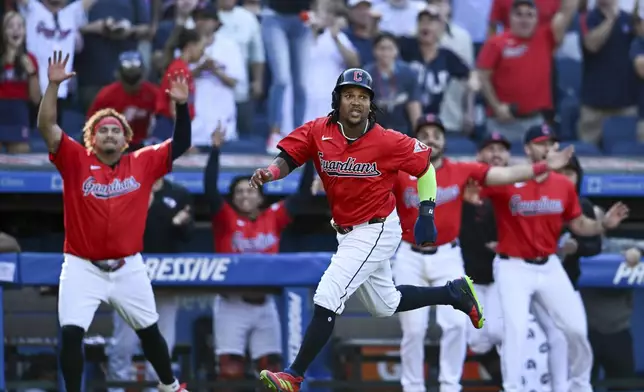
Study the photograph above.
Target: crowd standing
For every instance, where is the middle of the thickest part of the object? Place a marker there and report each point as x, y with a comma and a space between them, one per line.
492, 71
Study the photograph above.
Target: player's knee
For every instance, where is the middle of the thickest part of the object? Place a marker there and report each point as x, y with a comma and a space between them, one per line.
328, 301
414, 333
386, 308
72, 336
149, 332
270, 362
231, 367
453, 320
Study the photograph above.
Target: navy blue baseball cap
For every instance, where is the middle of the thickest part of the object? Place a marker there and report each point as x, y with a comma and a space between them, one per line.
539, 133
429, 119
529, 3
494, 137
130, 59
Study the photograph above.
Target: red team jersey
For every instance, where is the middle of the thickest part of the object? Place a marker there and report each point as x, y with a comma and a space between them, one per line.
163, 101
451, 179
530, 215
358, 177
137, 108
235, 233
105, 208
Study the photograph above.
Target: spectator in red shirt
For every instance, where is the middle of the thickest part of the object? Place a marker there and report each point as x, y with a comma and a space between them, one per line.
501, 10
515, 68
191, 46
131, 96
18, 85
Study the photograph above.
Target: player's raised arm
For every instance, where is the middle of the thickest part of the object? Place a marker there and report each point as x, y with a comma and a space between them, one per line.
211, 174
555, 160
295, 150
585, 226
47, 113
182, 134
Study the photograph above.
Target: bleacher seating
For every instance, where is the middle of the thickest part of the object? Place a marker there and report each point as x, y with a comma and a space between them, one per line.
568, 77
582, 148
618, 129
628, 149
460, 145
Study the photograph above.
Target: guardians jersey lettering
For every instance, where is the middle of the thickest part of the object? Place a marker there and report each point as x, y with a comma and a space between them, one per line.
115, 188
348, 168
543, 206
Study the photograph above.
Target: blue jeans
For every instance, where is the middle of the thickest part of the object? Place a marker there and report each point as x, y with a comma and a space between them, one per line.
288, 41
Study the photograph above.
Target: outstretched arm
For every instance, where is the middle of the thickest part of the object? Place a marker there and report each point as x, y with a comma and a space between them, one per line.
47, 113
281, 167
211, 182
517, 173
182, 133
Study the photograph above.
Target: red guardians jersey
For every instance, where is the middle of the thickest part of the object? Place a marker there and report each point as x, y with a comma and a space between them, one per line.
105, 208
138, 108
163, 100
451, 179
530, 215
358, 177
235, 233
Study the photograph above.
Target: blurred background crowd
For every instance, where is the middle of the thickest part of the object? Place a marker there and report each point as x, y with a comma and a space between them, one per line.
263, 67
270, 65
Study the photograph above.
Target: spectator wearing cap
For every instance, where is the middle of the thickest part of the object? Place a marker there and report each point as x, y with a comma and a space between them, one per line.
18, 85
288, 40
458, 40
242, 26
515, 68
331, 53
395, 86
54, 25
362, 29
221, 69
115, 26
472, 15
609, 83
637, 56
181, 17
501, 11
131, 95
396, 15
436, 66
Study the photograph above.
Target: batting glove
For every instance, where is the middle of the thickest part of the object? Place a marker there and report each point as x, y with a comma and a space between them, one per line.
425, 228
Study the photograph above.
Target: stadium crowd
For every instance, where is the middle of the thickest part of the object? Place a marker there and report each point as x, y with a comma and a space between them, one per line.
270, 64
262, 67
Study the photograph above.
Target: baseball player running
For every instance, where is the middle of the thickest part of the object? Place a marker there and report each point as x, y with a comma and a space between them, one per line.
530, 216
105, 198
436, 265
358, 162
241, 226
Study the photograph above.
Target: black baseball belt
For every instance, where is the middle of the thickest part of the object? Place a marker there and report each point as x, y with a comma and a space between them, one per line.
535, 261
431, 250
348, 229
110, 265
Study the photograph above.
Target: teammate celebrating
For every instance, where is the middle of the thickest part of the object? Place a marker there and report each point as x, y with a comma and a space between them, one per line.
241, 226
438, 264
530, 217
105, 196
358, 161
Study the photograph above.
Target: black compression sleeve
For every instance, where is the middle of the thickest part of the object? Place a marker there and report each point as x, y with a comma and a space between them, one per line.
292, 165
182, 134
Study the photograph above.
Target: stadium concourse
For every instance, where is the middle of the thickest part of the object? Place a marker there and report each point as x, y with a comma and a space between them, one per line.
269, 66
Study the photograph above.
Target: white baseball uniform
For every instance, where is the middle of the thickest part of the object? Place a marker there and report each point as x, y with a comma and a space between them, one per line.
413, 268
530, 218
125, 342
238, 324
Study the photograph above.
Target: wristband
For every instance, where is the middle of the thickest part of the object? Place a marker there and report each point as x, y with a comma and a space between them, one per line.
426, 208
274, 170
539, 168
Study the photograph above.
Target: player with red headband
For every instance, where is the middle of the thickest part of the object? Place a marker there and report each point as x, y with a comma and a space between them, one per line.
438, 264
530, 216
105, 198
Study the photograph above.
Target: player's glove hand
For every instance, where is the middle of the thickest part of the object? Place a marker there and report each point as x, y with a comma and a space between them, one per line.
425, 228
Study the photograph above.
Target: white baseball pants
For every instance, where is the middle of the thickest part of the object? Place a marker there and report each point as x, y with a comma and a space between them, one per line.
125, 342
83, 287
485, 339
413, 268
519, 283
362, 264
238, 324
